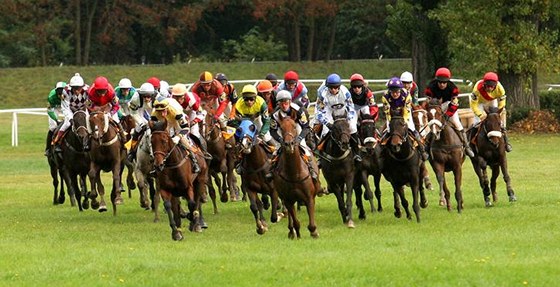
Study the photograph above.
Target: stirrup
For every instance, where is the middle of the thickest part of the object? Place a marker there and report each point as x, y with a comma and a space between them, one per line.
508, 147
357, 158
196, 167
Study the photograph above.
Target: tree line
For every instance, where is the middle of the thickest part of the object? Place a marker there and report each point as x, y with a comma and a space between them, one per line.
516, 38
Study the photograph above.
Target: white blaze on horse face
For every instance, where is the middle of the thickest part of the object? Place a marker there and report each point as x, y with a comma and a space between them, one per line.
497, 134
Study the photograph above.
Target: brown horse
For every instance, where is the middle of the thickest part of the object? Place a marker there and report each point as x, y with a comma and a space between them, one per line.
370, 165
337, 163
219, 162
420, 119
128, 124
293, 180
107, 154
446, 154
489, 150
255, 163
400, 164
175, 179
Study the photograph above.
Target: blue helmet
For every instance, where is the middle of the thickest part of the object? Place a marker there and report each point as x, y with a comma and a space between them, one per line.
394, 83
333, 80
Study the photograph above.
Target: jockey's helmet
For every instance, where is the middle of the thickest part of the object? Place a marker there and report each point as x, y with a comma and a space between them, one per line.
283, 95
154, 81
205, 77
272, 78
443, 74
125, 83
407, 77
101, 83
146, 89
249, 91
394, 84
264, 86
490, 79
77, 81
161, 103
60, 85
291, 77
333, 80
179, 90
357, 80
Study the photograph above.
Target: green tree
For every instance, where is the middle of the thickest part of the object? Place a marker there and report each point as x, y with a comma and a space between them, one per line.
255, 46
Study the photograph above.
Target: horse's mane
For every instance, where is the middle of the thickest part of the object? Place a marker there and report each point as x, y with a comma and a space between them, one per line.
158, 126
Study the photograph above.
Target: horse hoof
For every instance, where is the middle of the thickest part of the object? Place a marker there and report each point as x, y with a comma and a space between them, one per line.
350, 224
291, 235
102, 208
512, 198
424, 204
177, 236
442, 202
224, 197
85, 205
315, 235
95, 205
398, 214
488, 204
260, 231
119, 200
61, 199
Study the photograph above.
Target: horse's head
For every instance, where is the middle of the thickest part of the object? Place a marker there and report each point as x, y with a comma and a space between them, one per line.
245, 136
211, 126
289, 134
368, 131
420, 119
492, 125
435, 118
161, 141
98, 125
79, 124
128, 124
340, 132
399, 133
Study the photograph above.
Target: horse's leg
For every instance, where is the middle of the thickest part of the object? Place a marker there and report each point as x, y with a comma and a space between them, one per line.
291, 231
376, 182
348, 187
493, 182
312, 227
357, 187
73, 185
225, 188
439, 170
458, 174
368, 193
116, 198
396, 201
426, 176
83, 191
507, 179
176, 234
254, 203
93, 176
415, 206
130, 183
71, 191
480, 169
275, 202
54, 175
212, 191
155, 196
337, 189
404, 202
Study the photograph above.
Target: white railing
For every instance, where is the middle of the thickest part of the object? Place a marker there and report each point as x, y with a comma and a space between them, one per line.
15, 112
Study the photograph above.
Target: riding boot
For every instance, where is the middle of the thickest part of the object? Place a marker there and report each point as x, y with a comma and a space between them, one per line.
195, 165
122, 135
312, 171
204, 149
355, 144
506, 140
420, 146
49, 141
132, 152
468, 150
56, 141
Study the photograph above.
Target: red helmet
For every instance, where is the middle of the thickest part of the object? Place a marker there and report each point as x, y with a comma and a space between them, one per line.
101, 83
357, 80
206, 77
291, 76
443, 74
154, 81
490, 76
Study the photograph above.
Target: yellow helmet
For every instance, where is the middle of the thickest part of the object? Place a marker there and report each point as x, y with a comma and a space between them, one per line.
179, 89
161, 103
249, 91
206, 77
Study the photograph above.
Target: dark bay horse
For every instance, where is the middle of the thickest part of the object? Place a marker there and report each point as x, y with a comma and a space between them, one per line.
128, 124
337, 163
400, 164
446, 154
219, 162
255, 163
293, 181
57, 175
420, 119
489, 150
175, 179
370, 165
107, 154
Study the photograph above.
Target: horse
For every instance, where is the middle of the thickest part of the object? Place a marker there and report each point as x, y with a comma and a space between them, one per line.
255, 163
175, 179
400, 164
293, 181
337, 163
219, 162
107, 154
57, 175
143, 167
420, 119
370, 165
128, 124
489, 150
446, 154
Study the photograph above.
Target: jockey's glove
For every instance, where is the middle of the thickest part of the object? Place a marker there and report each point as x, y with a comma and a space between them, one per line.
330, 126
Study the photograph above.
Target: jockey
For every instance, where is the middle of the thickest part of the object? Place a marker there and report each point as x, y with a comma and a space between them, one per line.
177, 125
100, 95
442, 88
288, 109
140, 106
164, 89
362, 96
333, 95
298, 90
212, 96
489, 92
230, 91
398, 102
273, 79
124, 92
266, 91
54, 111
410, 86
75, 97
254, 108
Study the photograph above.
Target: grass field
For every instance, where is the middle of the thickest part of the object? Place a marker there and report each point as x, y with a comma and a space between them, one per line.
506, 245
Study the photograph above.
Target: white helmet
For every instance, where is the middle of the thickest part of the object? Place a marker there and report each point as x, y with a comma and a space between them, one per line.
164, 88
125, 83
77, 81
406, 77
60, 85
146, 89
283, 95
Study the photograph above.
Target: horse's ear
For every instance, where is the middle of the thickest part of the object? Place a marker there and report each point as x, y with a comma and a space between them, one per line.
487, 110
500, 110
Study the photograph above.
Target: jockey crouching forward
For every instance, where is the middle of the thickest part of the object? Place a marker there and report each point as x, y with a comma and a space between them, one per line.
334, 95
177, 125
54, 111
140, 107
397, 101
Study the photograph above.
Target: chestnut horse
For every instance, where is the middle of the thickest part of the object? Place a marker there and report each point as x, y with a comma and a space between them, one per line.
446, 154
420, 119
337, 163
293, 180
128, 124
107, 153
400, 164
489, 150
175, 179
370, 165
255, 163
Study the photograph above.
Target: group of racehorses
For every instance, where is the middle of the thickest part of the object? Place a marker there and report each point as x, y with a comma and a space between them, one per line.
163, 168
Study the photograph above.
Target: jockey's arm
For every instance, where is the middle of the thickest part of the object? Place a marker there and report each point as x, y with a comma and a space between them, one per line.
386, 108
265, 117
473, 103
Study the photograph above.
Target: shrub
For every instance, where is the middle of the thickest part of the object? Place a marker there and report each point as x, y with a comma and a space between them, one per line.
550, 100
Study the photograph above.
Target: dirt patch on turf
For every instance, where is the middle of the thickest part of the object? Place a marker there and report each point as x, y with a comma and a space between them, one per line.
537, 122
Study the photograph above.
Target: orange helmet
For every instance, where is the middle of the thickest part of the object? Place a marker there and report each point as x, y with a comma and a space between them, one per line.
264, 86
443, 74
206, 77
